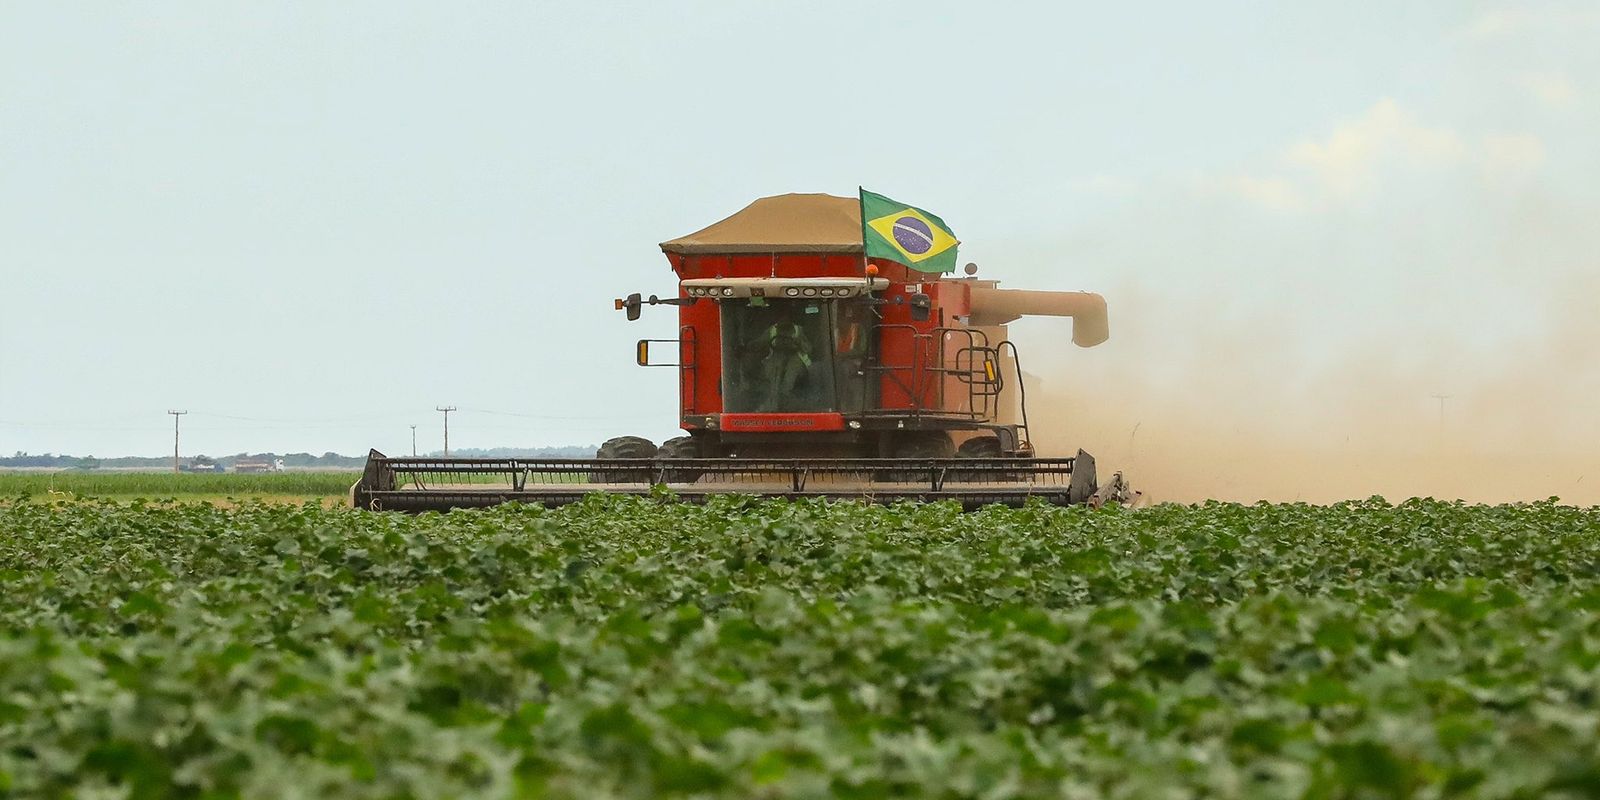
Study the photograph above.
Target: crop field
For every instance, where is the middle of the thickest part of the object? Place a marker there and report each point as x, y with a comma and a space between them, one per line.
171, 484
627, 647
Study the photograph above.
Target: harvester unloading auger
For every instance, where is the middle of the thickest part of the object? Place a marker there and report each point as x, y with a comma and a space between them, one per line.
807, 369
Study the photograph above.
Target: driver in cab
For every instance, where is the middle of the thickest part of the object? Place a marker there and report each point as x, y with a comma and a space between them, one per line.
786, 360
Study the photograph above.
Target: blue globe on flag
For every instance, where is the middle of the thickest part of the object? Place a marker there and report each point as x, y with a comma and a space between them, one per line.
913, 235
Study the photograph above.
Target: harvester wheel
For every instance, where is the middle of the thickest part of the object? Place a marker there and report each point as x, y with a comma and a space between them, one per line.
680, 447
980, 447
985, 447
924, 445
627, 447
915, 446
624, 447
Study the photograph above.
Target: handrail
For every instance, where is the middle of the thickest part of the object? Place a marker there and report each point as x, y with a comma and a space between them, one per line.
1022, 389
928, 369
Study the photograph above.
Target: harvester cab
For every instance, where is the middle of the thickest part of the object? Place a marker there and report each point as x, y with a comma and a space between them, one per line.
806, 368
792, 343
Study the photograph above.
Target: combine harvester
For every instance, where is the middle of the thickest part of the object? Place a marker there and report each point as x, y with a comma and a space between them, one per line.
817, 356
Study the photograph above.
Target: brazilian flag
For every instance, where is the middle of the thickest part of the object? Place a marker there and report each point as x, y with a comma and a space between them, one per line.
906, 234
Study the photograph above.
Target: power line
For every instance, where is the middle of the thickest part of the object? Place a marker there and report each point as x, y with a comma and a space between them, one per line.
551, 416
363, 421
302, 420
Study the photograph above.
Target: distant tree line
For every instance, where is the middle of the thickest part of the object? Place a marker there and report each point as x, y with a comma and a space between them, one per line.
51, 460
21, 460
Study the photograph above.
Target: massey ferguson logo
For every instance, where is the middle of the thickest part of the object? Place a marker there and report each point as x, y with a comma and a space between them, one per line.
773, 422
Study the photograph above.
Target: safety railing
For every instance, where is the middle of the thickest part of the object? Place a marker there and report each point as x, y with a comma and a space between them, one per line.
925, 379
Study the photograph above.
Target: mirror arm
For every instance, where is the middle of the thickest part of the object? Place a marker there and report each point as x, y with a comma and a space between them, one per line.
633, 302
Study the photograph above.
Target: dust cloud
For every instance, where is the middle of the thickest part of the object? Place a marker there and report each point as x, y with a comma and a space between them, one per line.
1193, 407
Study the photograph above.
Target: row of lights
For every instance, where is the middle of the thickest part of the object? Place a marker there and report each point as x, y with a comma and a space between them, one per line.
792, 291
710, 291
812, 291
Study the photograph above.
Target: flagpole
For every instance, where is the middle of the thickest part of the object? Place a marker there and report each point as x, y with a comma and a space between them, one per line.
861, 203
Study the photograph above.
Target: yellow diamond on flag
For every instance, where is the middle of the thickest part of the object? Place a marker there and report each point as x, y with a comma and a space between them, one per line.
914, 235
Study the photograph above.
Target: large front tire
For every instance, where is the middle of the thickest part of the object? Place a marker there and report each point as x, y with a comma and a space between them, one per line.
924, 445
627, 447
984, 446
918, 446
624, 447
680, 447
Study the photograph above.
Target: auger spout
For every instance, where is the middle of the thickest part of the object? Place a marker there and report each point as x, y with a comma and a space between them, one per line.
1087, 310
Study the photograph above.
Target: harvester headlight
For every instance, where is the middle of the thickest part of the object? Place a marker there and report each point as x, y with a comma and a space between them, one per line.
792, 291
727, 291
844, 292
826, 291
810, 292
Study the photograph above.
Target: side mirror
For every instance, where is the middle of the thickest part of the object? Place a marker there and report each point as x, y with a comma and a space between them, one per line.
631, 305
921, 307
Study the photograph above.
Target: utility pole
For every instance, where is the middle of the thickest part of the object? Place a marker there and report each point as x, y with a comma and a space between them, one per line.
446, 410
175, 415
1441, 398
413, 441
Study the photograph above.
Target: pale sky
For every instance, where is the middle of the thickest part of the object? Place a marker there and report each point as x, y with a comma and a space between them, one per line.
309, 224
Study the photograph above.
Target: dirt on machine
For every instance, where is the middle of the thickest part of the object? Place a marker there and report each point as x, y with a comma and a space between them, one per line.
807, 368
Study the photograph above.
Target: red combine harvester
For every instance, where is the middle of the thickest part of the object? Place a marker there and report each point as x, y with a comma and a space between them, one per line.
807, 369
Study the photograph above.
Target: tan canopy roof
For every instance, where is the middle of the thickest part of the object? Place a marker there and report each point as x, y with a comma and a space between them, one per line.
786, 223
